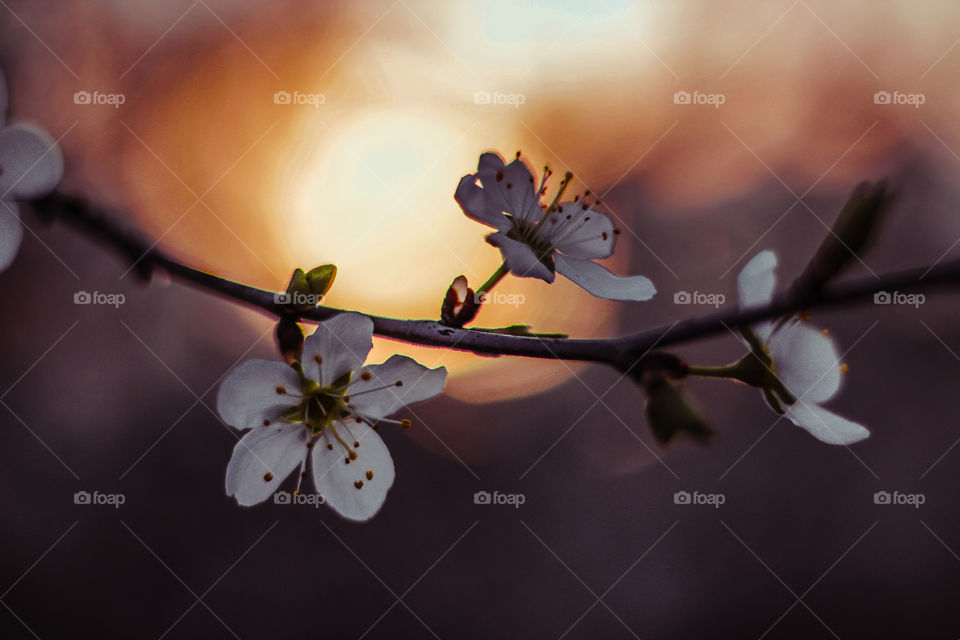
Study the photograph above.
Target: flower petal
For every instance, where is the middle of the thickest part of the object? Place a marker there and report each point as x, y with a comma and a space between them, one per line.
581, 233
825, 425
263, 459
255, 391
755, 285
475, 203
11, 234
510, 187
356, 489
418, 384
31, 164
338, 346
520, 258
756, 280
601, 283
806, 361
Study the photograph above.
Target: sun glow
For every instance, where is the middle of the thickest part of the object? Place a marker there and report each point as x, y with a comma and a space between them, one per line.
373, 193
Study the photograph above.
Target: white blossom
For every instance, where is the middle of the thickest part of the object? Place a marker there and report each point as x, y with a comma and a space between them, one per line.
804, 360
31, 165
327, 412
538, 241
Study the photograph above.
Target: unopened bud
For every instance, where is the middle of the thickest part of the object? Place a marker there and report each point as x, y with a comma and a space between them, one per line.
289, 339
670, 410
306, 289
460, 304
850, 237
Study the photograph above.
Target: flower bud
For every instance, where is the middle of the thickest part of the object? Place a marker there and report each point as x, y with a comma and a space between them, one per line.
289, 339
305, 290
670, 410
851, 235
460, 305
320, 279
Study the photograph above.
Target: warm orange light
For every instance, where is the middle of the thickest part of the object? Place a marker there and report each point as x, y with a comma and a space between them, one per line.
375, 196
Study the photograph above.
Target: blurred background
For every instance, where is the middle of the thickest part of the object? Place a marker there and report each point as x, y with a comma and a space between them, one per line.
253, 138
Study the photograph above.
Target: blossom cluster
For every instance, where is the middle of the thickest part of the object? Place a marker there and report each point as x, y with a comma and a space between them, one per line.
317, 413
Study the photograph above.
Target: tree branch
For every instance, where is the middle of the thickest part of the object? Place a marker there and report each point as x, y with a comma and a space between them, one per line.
623, 353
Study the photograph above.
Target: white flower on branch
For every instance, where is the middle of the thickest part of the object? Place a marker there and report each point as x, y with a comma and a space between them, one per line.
538, 241
31, 165
803, 362
326, 408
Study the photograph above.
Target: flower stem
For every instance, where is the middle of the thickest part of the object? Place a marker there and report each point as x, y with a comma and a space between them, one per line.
492, 281
726, 371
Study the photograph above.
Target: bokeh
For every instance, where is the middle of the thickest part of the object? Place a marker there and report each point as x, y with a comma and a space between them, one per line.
250, 138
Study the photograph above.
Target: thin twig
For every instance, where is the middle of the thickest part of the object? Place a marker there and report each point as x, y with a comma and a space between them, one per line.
624, 352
